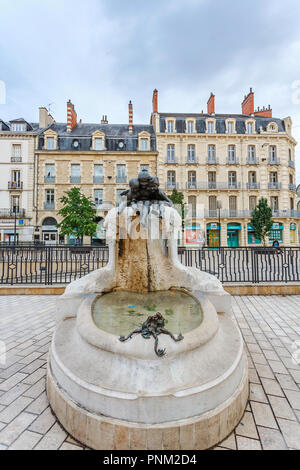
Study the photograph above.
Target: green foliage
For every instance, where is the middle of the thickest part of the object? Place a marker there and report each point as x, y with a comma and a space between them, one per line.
169, 311
261, 221
178, 200
78, 215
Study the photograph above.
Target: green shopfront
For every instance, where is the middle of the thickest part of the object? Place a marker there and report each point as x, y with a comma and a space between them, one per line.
233, 234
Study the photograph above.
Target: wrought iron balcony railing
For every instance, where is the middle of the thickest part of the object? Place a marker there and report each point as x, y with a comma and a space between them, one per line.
15, 185
171, 185
49, 179
121, 179
98, 179
10, 213
253, 185
274, 185
75, 179
49, 206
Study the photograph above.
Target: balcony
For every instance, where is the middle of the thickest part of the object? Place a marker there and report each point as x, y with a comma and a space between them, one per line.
227, 213
253, 185
171, 161
121, 179
212, 160
291, 213
212, 185
98, 179
10, 213
15, 159
49, 179
292, 187
171, 185
191, 161
274, 185
48, 206
104, 205
75, 179
15, 185
291, 164
233, 161
252, 161
274, 161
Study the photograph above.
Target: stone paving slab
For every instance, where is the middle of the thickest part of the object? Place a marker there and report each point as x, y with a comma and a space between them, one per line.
270, 326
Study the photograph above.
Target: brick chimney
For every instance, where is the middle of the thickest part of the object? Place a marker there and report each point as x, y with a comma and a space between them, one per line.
248, 103
130, 110
155, 101
264, 112
211, 104
104, 119
71, 117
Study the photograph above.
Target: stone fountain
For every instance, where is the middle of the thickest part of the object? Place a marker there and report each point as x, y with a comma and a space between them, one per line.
180, 380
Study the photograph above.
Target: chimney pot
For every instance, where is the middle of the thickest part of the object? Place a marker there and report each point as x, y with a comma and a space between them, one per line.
130, 111
155, 101
211, 104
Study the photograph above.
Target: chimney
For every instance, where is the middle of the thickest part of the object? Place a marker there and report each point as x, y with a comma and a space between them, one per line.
155, 101
248, 104
45, 119
265, 112
104, 119
211, 104
71, 117
130, 127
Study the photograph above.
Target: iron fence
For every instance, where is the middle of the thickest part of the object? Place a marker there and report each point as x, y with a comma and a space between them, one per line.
49, 265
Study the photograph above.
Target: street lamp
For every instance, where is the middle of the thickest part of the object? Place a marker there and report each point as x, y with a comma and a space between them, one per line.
219, 207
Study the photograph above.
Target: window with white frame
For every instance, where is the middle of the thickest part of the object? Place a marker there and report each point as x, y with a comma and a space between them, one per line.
272, 153
211, 152
171, 179
232, 179
75, 174
18, 127
50, 143
251, 153
121, 174
231, 153
170, 126
98, 143
145, 167
192, 180
190, 127
49, 173
252, 202
171, 153
98, 197
144, 144
16, 150
191, 153
230, 127
249, 127
98, 174
49, 195
210, 127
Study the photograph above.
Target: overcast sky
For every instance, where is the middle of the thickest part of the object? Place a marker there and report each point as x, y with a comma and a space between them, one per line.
101, 53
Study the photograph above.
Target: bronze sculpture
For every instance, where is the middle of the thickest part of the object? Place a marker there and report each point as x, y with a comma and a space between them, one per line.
153, 326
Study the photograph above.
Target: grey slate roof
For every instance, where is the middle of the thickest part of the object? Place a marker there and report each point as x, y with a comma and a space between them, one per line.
114, 134
220, 122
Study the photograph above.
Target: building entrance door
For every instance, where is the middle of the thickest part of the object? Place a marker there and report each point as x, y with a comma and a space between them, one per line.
233, 238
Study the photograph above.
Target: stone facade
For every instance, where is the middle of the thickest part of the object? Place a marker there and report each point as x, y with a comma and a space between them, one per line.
17, 144
233, 160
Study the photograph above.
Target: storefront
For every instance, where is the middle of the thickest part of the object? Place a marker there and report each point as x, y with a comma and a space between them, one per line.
194, 235
276, 233
252, 240
233, 234
49, 231
213, 235
293, 233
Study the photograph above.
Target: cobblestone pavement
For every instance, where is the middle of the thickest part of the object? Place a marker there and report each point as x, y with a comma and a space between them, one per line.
270, 326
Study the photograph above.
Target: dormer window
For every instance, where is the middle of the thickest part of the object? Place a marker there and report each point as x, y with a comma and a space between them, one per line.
210, 125
98, 144
250, 128
50, 143
144, 145
190, 127
272, 127
230, 127
170, 126
18, 127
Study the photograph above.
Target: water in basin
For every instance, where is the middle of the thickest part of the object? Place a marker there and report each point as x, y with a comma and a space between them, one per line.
121, 312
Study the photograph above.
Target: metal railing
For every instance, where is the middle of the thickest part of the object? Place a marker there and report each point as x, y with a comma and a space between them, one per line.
98, 179
15, 185
49, 179
171, 161
274, 185
121, 179
10, 213
253, 185
170, 185
48, 265
48, 206
212, 160
274, 161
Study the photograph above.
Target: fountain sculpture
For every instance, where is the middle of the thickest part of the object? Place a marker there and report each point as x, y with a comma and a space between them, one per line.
110, 383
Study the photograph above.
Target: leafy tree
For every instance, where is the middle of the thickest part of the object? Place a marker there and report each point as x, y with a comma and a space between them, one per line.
78, 215
177, 198
261, 221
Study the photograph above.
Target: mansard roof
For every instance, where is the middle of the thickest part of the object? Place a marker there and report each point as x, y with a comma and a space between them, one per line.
114, 134
260, 122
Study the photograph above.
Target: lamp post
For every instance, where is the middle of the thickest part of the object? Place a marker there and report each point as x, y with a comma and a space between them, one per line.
15, 228
219, 207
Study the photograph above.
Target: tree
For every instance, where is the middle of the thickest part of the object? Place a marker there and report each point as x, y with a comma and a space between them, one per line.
261, 221
177, 198
78, 215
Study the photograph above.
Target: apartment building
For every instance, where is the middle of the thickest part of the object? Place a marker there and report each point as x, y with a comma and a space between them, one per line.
17, 144
223, 164
98, 158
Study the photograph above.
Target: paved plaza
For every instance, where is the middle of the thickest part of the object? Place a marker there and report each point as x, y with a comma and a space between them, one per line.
270, 326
